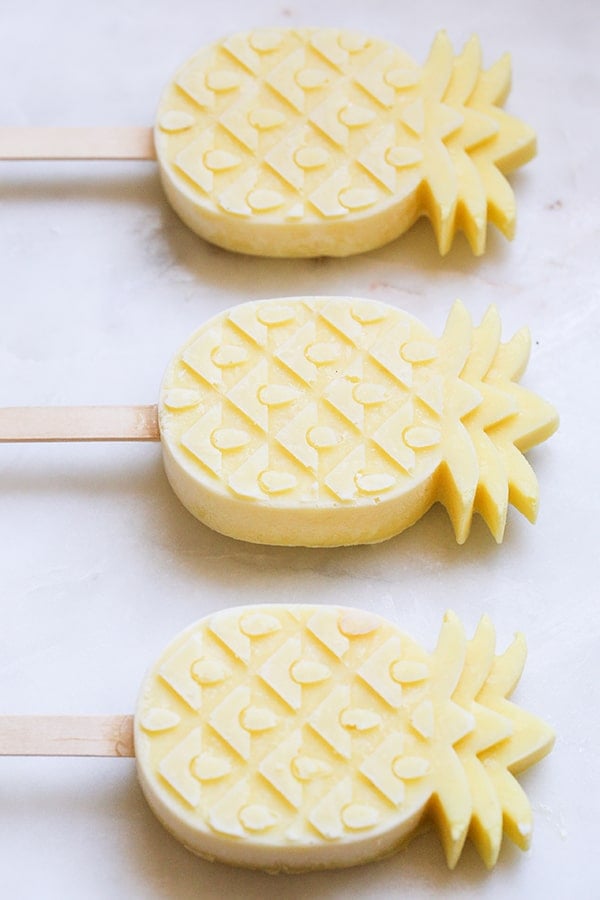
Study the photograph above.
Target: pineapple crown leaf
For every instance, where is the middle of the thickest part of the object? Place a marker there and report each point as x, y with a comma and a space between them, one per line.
483, 469
493, 84
480, 654
501, 203
465, 75
512, 804
437, 69
456, 340
511, 358
508, 668
523, 491
476, 792
485, 344
464, 187
450, 652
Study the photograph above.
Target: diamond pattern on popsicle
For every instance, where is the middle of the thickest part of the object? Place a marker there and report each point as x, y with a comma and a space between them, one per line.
306, 127
307, 400
251, 688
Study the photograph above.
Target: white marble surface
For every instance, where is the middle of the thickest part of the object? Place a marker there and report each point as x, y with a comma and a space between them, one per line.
100, 564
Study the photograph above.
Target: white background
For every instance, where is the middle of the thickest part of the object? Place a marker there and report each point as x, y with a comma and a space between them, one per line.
100, 564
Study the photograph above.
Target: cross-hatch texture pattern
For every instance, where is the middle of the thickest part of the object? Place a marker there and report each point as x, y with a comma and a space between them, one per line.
329, 729
337, 403
340, 140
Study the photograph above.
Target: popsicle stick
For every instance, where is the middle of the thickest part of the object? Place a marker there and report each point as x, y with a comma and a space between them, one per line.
29, 424
66, 736
76, 143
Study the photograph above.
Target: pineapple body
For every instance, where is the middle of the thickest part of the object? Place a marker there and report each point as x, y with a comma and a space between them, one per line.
313, 142
292, 737
336, 421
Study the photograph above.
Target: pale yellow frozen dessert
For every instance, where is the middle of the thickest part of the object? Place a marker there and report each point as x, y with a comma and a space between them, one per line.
297, 737
336, 421
312, 142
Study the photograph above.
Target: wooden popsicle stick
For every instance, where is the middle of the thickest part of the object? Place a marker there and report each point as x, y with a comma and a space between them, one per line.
76, 143
28, 424
66, 736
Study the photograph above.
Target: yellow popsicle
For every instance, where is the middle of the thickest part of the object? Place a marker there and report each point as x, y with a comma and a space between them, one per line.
296, 737
324, 142
334, 421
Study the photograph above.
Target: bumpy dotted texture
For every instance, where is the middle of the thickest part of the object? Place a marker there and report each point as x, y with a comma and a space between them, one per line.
338, 421
326, 142
290, 737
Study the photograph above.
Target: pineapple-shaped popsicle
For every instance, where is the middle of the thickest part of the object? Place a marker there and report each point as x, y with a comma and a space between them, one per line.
295, 737
336, 421
325, 142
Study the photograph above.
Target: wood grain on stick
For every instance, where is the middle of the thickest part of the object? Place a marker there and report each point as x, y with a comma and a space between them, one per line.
27, 424
66, 736
76, 143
